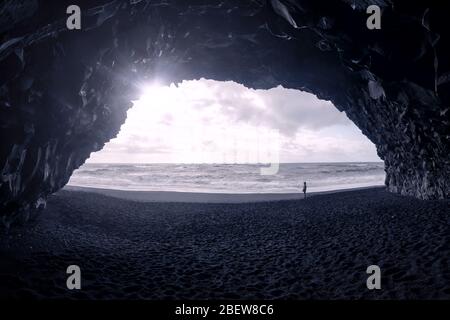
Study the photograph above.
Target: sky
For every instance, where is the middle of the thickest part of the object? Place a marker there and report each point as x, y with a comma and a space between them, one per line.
206, 121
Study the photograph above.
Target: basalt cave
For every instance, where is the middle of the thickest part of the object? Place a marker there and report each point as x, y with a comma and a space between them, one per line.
65, 93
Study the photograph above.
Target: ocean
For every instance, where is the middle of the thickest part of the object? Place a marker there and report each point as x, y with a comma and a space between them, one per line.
229, 178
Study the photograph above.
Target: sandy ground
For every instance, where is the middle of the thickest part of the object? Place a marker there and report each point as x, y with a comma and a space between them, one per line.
201, 197
291, 249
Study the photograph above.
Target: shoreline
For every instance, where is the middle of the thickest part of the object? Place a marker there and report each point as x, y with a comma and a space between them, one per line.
205, 197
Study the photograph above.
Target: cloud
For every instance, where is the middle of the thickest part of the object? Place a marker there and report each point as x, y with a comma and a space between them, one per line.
209, 121
282, 109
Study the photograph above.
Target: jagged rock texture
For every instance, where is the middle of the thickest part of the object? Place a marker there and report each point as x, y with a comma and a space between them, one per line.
64, 94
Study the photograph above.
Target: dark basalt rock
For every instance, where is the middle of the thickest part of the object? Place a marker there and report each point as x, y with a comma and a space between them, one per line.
64, 94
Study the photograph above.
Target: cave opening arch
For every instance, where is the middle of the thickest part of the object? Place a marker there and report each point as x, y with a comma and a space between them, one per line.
64, 94
263, 141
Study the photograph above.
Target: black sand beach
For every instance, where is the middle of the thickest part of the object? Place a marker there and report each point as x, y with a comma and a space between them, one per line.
294, 249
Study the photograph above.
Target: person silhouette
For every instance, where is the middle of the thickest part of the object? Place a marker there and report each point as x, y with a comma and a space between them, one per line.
304, 188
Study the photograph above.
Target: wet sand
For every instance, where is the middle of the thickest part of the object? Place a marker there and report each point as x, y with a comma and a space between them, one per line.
202, 197
288, 249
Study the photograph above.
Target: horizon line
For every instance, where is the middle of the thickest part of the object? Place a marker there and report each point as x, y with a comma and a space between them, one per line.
224, 163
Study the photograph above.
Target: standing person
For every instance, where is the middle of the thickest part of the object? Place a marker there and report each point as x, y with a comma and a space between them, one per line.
304, 188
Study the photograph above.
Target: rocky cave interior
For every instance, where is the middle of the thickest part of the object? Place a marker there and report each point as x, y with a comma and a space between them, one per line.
65, 93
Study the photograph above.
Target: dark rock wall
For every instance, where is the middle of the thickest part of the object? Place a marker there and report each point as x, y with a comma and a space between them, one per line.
64, 94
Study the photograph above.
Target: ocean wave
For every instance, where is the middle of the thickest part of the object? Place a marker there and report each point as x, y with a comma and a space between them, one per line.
227, 177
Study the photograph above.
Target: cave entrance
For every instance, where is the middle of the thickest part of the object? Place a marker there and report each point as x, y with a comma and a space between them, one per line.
216, 136
64, 93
